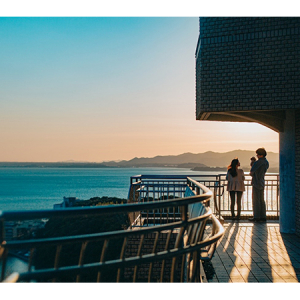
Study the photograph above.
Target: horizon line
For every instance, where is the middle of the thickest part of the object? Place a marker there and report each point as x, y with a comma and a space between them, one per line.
119, 160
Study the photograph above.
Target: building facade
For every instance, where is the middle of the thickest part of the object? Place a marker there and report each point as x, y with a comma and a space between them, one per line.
247, 70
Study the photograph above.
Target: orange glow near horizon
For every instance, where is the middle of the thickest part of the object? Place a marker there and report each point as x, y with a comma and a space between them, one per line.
46, 144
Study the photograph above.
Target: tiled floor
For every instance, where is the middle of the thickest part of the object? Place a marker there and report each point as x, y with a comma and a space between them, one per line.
256, 252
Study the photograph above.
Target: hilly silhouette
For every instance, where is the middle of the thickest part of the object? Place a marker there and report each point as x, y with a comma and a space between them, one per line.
199, 162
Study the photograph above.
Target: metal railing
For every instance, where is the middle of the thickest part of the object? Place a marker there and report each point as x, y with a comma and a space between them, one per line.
271, 195
161, 186
171, 249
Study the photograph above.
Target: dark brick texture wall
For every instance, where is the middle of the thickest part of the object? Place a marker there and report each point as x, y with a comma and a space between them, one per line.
297, 166
248, 64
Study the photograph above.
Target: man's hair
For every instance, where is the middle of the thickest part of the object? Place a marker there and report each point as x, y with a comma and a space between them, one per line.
261, 151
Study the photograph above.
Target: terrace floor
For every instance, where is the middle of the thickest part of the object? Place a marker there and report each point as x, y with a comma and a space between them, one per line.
255, 252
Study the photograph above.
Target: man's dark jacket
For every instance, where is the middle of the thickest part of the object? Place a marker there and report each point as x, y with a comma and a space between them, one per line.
258, 171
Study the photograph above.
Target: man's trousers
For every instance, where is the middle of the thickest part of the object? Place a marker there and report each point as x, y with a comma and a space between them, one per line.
258, 202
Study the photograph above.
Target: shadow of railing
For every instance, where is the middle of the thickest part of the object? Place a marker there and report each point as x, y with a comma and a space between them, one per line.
224, 265
257, 252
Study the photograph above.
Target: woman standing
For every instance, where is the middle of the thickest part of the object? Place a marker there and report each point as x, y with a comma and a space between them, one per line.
236, 186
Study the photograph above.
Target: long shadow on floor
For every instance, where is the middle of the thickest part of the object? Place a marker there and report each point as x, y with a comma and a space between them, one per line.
247, 249
224, 260
292, 246
260, 262
243, 254
256, 252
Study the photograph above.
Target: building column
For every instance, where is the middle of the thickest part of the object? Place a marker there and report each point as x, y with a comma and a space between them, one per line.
287, 174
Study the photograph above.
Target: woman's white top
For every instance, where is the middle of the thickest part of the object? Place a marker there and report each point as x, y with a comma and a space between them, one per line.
236, 183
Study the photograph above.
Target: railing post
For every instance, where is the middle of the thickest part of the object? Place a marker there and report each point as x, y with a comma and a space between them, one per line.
3, 252
277, 196
184, 210
2, 231
188, 182
219, 196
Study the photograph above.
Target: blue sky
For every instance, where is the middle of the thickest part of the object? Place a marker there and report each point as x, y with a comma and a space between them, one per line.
106, 88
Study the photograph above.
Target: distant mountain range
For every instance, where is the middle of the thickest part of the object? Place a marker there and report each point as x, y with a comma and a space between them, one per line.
200, 162
211, 160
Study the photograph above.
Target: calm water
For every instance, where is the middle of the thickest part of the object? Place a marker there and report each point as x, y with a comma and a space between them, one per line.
41, 188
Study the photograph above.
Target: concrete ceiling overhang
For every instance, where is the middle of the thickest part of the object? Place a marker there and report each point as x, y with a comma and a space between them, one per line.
271, 119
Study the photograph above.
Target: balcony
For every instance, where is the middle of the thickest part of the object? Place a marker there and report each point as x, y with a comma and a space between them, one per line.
175, 234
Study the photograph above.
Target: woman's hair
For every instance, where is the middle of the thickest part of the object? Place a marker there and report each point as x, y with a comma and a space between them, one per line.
232, 167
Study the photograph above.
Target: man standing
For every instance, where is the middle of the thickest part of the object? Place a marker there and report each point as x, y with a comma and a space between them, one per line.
258, 171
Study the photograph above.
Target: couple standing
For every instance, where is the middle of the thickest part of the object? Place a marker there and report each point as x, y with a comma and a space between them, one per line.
236, 186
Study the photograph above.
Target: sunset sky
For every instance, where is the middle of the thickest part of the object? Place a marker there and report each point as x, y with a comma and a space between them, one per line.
101, 88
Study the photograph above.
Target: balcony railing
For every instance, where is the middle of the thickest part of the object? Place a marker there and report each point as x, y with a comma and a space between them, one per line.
160, 187
172, 229
271, 196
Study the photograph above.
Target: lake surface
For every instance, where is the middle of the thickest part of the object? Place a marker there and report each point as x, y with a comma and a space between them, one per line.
41, 188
